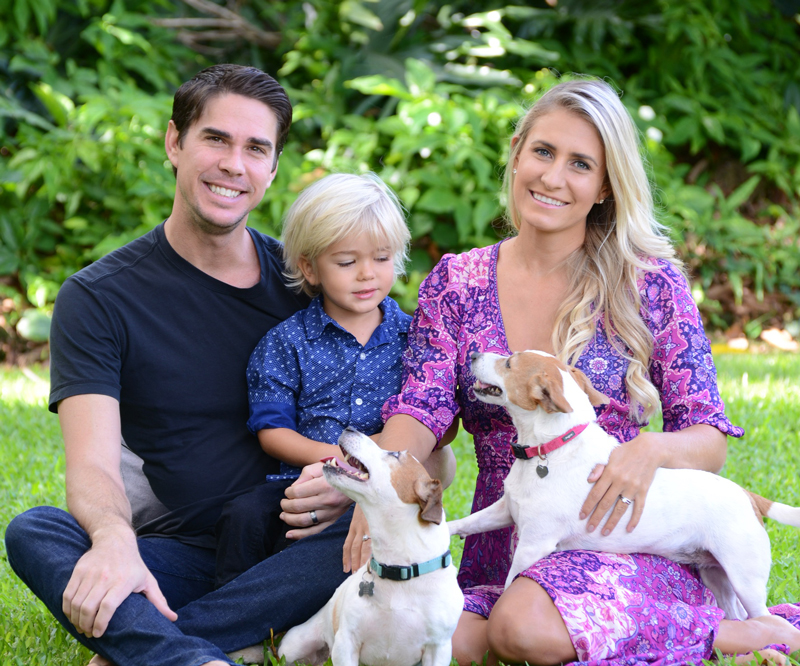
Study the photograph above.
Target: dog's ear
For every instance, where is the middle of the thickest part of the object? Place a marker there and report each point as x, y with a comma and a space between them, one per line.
548, 391
429, 498
595, 397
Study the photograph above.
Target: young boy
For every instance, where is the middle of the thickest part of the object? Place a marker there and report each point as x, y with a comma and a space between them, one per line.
329, 366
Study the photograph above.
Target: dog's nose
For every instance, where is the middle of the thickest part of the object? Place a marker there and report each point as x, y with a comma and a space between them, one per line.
474, 355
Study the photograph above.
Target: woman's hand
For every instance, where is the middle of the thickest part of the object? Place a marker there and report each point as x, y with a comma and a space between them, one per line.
357, 549
311, 497
629, 474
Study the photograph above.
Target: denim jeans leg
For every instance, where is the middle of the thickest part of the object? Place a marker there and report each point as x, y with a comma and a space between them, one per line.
248, 530
44, 544
282, 591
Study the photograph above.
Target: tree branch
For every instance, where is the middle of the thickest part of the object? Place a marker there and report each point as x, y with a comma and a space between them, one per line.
228, 26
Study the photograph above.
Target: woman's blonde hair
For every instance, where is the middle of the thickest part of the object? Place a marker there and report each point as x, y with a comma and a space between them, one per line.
338, 206
622, 238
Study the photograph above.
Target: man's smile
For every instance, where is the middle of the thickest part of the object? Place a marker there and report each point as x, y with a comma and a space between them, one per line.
224, 191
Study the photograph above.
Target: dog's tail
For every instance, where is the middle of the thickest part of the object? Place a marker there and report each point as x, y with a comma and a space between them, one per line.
783, 513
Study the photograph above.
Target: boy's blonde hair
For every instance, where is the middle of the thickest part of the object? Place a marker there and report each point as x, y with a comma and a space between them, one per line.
622, 238
337, 206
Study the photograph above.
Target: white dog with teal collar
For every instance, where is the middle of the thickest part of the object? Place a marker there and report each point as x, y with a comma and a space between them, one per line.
402, 607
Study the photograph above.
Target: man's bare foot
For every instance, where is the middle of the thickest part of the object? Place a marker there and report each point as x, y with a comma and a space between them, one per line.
97, 660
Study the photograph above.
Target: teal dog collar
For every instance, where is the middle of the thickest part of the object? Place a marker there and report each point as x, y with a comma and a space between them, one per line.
411, 571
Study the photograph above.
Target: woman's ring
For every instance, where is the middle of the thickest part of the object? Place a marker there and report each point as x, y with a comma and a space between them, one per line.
365, 537
625, 500
314, 519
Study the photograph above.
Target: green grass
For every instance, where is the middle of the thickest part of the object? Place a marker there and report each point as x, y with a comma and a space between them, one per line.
762, 394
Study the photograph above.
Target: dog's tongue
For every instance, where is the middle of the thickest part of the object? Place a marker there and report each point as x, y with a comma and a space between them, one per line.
338, 462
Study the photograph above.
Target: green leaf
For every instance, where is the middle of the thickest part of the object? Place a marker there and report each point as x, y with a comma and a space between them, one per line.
485, 211
34, 325
750, 148
444, 235
419, 76
22, 14
742, 193
438, 201
354, 12
379, 85
714, 129
9, 263
463, 216
57, 104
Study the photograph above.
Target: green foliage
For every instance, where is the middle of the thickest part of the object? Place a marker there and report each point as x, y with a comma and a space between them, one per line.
426, 95
31, 473
86, 94
761, 394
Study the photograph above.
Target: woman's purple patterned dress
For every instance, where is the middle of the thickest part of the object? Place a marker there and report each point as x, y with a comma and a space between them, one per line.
618, 609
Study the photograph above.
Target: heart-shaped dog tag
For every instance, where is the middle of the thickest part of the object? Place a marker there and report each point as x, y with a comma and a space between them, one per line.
542, 470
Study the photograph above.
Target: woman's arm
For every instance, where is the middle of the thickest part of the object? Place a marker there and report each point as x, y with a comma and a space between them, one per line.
404, 433
682, 369
632, 466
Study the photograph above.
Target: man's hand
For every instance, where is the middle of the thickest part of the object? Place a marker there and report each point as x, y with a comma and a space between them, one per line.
357, 550
311, 492
629, 473
104, 577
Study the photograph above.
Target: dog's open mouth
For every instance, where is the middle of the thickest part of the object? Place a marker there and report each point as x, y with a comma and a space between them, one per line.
481, 388
351, 466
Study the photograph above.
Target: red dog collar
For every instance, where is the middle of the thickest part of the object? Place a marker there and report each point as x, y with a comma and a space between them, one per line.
527, 452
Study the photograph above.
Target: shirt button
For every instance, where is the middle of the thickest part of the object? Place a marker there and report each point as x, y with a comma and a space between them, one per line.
359, 401
362, 356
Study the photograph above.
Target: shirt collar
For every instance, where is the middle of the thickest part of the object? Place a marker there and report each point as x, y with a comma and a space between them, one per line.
316, 320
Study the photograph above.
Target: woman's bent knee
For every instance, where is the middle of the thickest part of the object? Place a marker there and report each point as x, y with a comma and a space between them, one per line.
525, 626
469, 639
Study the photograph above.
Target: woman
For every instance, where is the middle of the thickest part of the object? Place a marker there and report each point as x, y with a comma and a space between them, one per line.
590, 277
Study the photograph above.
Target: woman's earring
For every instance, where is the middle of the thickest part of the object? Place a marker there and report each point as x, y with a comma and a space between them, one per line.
515, 171
601, 201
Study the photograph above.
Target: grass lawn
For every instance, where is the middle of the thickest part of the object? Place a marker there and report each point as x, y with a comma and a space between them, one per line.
762, 393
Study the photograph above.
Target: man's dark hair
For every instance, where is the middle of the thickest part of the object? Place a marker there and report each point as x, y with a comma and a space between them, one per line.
191, 98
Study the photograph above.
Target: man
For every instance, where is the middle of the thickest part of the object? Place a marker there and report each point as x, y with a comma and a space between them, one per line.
150, 344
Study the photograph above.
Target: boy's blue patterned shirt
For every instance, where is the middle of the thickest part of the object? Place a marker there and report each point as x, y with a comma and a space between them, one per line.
310, 375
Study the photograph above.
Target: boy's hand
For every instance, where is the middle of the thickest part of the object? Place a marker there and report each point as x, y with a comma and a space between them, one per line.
357, 549
311, 492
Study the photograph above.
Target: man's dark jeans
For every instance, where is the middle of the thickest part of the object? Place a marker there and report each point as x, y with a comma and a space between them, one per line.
44, 544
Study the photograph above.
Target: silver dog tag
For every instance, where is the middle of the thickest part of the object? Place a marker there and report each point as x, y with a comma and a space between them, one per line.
542, 470
366, 588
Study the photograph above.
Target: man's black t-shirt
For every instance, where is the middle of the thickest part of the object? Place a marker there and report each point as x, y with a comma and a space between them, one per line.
171, 344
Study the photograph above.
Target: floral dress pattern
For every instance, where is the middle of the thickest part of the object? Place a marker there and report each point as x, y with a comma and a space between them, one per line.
618, 609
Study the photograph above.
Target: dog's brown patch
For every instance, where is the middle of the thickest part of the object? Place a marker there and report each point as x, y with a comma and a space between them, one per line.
532, 380
595, 397
414, 486
761, 505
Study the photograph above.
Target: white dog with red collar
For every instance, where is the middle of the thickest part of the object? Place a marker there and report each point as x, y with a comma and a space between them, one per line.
403, 606
690, 516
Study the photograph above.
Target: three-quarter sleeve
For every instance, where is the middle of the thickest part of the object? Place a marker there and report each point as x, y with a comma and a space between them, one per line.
682, 367
429, 381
